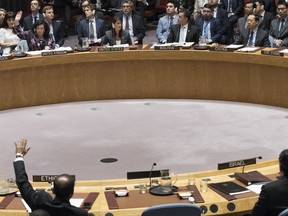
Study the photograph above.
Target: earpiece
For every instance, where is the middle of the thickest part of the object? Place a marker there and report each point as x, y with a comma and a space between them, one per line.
93, 12
44, 15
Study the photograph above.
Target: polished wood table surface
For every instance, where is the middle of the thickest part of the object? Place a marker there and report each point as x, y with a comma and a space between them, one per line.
148, 74
212, 199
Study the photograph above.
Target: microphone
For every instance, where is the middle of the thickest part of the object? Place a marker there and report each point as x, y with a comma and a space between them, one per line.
151, 171
250, 161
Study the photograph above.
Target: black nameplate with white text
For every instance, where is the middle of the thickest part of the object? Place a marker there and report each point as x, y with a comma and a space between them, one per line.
166, 47
110, 49
47, 178
237, 163
221, 49
272, 53
50, 53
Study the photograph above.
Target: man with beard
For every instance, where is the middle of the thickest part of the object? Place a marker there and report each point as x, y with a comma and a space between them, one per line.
208, 26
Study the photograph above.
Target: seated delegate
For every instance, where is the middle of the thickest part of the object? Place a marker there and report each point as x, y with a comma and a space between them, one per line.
38, 38
116, 35
8, 38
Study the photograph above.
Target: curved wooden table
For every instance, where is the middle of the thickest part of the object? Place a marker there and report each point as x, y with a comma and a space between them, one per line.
144, 74
184, 74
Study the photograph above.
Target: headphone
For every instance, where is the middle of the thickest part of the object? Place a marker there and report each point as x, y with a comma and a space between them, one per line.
93, 12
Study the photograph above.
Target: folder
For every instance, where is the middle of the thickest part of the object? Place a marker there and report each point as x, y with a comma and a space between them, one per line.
230, 188
249, 178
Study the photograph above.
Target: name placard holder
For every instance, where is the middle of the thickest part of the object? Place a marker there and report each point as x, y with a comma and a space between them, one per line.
50, 53
272, 53
166, 47
47, 178
221, 49
110, 49
237, 163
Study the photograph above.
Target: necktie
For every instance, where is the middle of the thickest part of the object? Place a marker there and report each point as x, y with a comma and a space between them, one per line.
282, 23
206, 29
127, 24
35, 19
250, 41
91, 31
171, 22
229, 6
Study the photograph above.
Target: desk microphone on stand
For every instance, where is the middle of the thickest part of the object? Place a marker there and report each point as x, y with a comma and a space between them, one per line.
250, 161
150, 175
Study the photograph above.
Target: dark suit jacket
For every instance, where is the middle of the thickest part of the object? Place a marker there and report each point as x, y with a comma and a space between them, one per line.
138, 26
111, 40
261, 39
237, 7
270, 6
265, 22
273, 199
58, 32
191, 36
215, 28
41, 199
283, 35
28, 21
222, 16
83, 29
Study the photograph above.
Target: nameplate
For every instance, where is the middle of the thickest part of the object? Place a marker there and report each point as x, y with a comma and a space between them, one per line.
50, 53
272, 53
237, 163
47, 178
221, 49
166, 47
4, 58
110, 49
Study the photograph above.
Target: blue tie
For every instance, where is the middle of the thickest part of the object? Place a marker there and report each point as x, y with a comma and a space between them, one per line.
250, 41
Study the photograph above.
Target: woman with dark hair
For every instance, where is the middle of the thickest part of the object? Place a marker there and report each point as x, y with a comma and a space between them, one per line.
38, 38
8, 38
116, 35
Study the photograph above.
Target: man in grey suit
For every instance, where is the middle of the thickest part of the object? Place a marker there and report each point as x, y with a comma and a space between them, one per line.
253, 35
242, 22
165, 22
184, 31
35, 15
279, 27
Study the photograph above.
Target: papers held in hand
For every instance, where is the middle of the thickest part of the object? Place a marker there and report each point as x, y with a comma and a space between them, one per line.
230, 188
252, 177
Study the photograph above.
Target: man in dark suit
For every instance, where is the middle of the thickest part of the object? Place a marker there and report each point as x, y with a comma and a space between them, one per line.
222, 15
92, 27
84, 3
132, 23
63, 189
35, 15
56, 26
266, 17
274, 195
279, 27
208, 26
253, 35
235, 10
242, 22
184, 31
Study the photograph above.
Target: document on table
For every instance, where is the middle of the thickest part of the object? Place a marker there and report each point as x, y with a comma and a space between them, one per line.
256, 188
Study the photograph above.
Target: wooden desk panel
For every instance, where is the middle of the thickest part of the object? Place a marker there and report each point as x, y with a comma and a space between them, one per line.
184, 74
